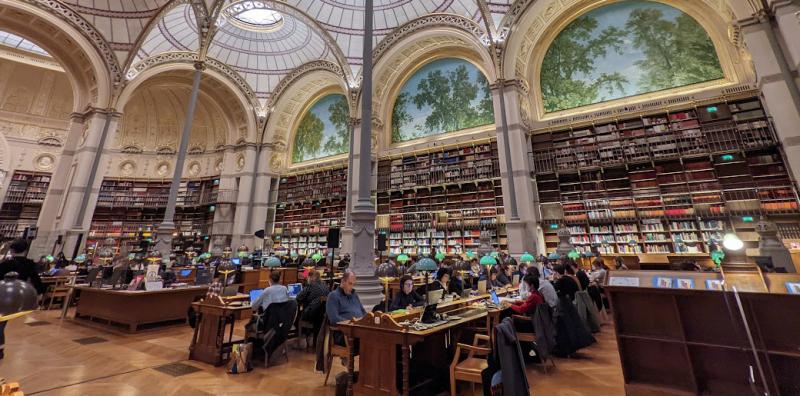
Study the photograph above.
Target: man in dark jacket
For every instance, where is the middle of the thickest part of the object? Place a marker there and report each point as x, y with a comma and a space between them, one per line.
26, 271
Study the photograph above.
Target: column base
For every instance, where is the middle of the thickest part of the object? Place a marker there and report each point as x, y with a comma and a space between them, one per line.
370, 290
346, 238
518, 239
164, 241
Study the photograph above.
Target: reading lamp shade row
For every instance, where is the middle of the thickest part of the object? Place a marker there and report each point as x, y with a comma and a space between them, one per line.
16, 295
427, 264
273, 262
526, 258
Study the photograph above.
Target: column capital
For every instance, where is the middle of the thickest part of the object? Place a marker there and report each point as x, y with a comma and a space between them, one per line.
200, 66
518, 83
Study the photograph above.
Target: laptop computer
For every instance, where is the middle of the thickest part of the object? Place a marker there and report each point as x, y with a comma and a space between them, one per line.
230, 291
435, 296
294, 289
185, 273
495, 299
254, 294
429, 315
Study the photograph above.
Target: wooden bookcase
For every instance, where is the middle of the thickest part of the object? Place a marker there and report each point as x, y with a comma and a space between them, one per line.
442, 199
23, 202
694, 342
308, 205
126, 207
665, 182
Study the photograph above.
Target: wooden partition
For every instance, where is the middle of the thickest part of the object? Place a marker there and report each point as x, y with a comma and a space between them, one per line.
674, 341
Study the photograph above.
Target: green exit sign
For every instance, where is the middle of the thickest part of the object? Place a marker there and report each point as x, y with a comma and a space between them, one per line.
747, 219
711, 109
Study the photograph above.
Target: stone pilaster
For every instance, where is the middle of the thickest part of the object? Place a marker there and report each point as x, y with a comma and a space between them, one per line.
777, 81
242, 221
75, 184
515, 170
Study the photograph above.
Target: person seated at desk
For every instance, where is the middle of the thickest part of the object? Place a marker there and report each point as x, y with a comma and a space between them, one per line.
275, 293
578, 272
343, 304
491, 281
407, 298
528, 306
545, 288
475, 268
311, 301
566, 285
442, 281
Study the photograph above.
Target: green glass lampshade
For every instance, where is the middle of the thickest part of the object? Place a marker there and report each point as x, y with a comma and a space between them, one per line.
80, 259
494, 254
273, 262
293, 254
386, 270
717, 256
553, 256
574, 255
427, 264
488, 260
403, 258
440, 256
526, 258
470, 255
49, 258
316, 257
243, 254
588, 254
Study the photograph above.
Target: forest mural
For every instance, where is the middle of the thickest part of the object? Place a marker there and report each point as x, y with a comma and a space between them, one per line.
323, 130
624, 49
445, 95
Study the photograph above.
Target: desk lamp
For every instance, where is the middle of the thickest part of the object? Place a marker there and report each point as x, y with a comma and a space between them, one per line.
225, 268
526, 258
227, 252
426, 265
440, 256
316, 257
106, 255
386, 272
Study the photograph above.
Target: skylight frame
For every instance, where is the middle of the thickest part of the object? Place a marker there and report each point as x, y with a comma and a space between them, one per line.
270, 20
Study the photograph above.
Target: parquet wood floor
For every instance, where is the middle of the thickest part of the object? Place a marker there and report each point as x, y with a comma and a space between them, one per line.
46, 360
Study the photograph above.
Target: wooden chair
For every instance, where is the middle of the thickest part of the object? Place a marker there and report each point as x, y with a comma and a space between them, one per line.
469, 369
60, 289
531, 337
333, 350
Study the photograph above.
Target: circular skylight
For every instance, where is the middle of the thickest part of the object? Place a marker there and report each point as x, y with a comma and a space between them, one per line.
253, 15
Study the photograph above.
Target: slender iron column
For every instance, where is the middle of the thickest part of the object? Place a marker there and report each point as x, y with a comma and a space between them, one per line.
167, 226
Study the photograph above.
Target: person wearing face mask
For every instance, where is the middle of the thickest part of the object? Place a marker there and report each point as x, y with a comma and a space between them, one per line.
407, 297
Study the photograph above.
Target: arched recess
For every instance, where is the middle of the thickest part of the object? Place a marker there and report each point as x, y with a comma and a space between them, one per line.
405, 57
289, 107
229, 94
541, 23
89, 75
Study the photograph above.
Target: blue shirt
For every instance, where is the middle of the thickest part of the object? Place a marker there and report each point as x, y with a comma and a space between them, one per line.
341, 306
272, 294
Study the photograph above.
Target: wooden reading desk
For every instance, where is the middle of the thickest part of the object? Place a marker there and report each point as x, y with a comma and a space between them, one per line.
133, 309
380, 336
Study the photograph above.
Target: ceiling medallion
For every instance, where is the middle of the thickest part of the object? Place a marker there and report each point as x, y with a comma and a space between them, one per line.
253, 15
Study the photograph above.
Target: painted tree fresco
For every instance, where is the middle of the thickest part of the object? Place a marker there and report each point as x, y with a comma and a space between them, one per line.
443, 96
625, 49
323, 130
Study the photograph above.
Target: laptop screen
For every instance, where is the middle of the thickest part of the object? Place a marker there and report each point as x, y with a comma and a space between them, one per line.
495, 299
254, 294
236, 261
294, 289
185, 273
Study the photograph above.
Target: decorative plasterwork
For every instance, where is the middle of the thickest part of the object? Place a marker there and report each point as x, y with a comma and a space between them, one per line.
301, 71
192, 58
88, 30
424, 23
45, 161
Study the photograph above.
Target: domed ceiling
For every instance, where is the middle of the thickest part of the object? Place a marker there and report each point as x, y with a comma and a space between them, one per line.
262, 40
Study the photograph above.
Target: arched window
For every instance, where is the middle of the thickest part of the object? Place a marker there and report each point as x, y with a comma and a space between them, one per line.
625, 49
323, 130
445, 95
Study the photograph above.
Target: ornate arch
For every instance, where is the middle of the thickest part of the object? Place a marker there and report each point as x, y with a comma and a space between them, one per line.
298, 73
89, 62
413, 50
298, 95
245, 131
535, 27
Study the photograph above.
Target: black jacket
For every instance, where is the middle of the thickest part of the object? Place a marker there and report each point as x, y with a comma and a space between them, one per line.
583, 279
566, 286
402, 300
310, 299
26, 269
509, 355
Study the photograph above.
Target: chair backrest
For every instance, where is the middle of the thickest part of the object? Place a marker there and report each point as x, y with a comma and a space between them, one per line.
281, 316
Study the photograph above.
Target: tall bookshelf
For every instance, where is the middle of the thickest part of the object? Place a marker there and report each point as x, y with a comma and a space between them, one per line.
23, 202
665, 182
308, 205
443, 199
128, 207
